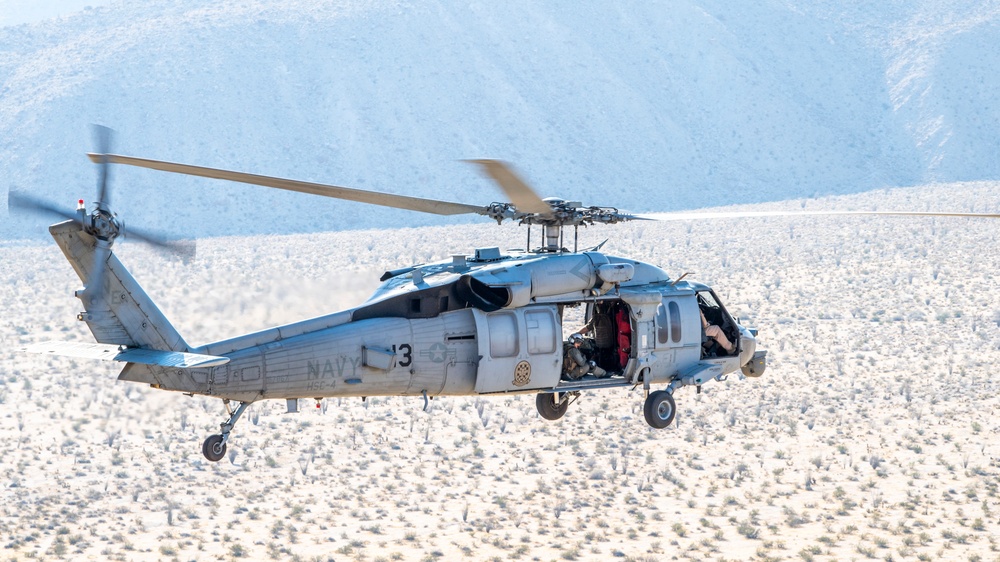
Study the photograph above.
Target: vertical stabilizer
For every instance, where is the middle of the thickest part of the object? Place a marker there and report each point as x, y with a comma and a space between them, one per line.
118, 312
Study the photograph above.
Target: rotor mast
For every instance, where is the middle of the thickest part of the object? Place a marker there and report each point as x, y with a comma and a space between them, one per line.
553, 237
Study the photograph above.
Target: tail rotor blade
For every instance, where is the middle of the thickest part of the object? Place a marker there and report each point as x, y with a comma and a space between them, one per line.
94, 285
28, 204
102, 139
183, 249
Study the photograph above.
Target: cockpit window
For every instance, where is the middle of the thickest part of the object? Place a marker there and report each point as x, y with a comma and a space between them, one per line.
706, 299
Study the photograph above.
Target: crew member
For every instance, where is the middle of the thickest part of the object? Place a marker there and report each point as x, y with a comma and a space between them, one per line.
716, 333
576, 364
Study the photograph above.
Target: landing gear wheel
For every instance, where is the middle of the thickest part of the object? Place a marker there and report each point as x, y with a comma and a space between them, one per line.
659, 409
213, 448
548, 408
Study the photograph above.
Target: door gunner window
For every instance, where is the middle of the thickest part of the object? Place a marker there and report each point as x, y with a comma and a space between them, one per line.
541, 329
668, 323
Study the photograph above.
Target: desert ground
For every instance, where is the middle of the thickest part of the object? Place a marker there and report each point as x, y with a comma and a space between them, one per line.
872, 435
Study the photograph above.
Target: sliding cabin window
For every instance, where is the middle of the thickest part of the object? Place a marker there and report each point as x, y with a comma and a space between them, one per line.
503, 334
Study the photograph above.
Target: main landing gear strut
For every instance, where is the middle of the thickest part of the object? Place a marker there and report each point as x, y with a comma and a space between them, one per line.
214, 447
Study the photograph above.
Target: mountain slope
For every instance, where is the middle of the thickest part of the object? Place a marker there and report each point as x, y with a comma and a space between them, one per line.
647, 106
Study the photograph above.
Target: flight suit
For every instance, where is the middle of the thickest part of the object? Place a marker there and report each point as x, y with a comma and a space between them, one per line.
575, 365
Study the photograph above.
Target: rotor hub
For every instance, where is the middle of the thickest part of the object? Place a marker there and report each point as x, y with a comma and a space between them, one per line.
104, 225
571, 213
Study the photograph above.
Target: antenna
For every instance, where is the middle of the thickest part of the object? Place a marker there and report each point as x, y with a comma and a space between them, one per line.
678, 280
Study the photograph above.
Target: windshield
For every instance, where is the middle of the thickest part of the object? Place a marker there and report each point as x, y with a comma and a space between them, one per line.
707, 299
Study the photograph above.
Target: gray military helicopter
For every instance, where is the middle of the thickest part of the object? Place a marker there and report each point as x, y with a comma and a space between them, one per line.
482, 324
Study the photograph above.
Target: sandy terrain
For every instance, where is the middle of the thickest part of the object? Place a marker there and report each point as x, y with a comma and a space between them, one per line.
872, 435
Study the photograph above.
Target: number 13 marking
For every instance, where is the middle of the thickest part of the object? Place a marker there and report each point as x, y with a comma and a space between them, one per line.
407, 351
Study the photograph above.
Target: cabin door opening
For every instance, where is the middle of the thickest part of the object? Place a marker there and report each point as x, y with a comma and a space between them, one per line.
610, 329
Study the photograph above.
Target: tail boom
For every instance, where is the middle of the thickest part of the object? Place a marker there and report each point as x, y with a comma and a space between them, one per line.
119, 312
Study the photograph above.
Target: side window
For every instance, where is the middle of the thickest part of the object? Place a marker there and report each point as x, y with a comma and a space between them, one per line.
662, 327
675, 321
503, 334
541, 331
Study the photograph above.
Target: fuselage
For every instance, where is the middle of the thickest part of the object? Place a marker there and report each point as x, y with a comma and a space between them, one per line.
481, 324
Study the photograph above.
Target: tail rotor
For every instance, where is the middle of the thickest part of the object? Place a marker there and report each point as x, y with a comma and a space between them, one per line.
101, 223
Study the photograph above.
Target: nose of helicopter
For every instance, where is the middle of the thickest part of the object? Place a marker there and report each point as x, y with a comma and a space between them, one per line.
752, 362
748, 344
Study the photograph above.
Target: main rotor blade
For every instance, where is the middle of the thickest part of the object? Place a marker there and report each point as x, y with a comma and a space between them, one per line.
695, 215
521, 195
361, 196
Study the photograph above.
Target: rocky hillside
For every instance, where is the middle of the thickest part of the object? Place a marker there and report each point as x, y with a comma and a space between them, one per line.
642, 105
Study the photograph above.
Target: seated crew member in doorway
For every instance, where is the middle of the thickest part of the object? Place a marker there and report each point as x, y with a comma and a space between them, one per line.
576, 364
716, 333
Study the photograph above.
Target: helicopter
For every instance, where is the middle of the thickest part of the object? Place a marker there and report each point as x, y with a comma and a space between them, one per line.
487, 323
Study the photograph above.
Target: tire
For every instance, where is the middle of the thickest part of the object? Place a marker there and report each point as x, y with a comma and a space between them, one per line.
547, 408
213, 448
659, 409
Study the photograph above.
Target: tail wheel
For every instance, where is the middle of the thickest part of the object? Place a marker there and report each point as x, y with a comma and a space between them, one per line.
659, 409
213, 448
548, 407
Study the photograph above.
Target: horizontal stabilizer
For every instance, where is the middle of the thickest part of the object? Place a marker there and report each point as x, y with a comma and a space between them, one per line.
176, 359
